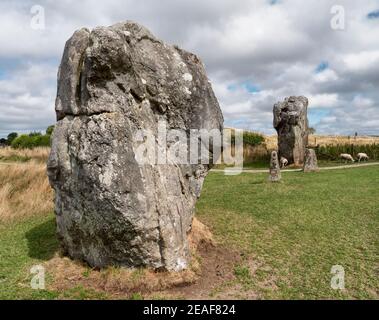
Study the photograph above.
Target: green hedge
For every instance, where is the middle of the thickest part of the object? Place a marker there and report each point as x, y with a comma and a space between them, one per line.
249, 138
31, 141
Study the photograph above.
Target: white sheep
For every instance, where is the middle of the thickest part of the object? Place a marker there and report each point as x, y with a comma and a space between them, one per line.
283, 162
347, 157
362, 156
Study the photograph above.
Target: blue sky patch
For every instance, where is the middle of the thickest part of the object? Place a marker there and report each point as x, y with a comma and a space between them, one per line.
322, 66
246, 85
316, 114
3, 75
373, 15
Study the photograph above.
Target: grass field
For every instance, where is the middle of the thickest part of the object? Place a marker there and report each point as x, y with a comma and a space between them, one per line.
24, 191
263, 164
286, 237
292, 233
37, 155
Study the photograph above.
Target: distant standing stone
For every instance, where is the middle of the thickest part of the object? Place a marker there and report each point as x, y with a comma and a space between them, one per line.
310, 162
275, 175
291, 123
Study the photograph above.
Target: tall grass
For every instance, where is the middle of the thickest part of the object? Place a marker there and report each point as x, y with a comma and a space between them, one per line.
341, 140
39, 154
330, 147
332, 152
24, 191
318, 140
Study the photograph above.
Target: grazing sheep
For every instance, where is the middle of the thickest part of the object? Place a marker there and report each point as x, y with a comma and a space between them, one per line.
283, 162
362, 156
347, 157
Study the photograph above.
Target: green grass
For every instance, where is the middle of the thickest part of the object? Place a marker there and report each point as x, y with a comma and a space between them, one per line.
296, 230
22, 245
337, 163
25, 244
290, 233
31, 242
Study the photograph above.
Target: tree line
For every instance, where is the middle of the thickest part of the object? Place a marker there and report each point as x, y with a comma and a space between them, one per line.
28, 141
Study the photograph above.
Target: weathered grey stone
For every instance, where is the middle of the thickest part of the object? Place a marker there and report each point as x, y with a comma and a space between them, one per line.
310, 162
110, 209
291, 123
275, 174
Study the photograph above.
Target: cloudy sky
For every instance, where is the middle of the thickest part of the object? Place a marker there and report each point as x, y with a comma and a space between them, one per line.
256, 52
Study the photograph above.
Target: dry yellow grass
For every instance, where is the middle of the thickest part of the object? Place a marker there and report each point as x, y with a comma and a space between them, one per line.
334, 140
24, 191
39, 154
314, 140
271, 142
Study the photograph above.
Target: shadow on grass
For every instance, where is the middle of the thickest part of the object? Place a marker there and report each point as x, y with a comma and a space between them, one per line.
258, 182
42, 241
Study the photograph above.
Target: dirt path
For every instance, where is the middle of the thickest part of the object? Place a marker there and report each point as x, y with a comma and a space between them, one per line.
350, 166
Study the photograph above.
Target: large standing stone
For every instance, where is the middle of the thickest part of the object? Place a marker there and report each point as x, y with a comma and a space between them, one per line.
310, 162
110, 209
291, 123
275, 174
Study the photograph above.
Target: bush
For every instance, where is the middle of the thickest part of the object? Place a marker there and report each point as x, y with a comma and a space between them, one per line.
249, 138
252, 138
34, 134
31, 141
21, 142
11, 137
49, 130
43, 141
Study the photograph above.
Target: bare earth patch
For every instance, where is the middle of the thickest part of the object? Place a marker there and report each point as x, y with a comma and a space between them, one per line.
217, 264
211, 268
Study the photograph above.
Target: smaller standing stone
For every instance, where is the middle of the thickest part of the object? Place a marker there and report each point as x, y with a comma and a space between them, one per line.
275, 175
310, 161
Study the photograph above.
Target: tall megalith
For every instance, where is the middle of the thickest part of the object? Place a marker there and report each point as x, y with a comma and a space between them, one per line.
291, 124
110, 208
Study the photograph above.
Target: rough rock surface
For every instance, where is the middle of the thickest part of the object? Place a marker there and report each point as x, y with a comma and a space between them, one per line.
275, 174
110, 209
291, 123
310, 162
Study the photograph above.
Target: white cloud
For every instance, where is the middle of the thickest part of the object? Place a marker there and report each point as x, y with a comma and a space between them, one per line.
326, 76
324, 100
276, 48
362, 102
328, 120
361, 61
27, 98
